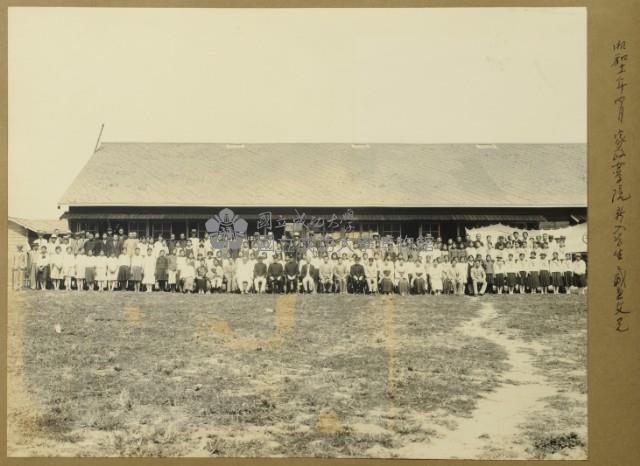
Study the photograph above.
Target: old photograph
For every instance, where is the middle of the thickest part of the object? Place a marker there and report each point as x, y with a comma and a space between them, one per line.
297, 233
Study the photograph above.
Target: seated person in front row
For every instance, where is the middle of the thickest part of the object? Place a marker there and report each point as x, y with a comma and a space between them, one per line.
275, 274
291, 275
357, 276
260, 276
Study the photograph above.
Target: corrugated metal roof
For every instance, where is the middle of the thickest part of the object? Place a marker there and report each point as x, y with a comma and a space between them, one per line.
45, 226
332, 175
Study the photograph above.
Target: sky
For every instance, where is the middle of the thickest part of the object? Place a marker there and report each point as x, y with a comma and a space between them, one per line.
459, 75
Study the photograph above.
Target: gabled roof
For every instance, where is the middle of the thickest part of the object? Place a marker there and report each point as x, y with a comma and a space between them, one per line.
45, 226
332, 175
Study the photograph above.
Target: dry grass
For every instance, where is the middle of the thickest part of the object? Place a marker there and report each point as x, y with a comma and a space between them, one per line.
217, 375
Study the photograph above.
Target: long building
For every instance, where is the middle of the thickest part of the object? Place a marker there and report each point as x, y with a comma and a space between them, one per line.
389, 189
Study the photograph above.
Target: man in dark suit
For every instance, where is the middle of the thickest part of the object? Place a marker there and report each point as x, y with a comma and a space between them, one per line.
171, 243
357, 276
112, 246
101, 245
275, 276
89, 243
291, 275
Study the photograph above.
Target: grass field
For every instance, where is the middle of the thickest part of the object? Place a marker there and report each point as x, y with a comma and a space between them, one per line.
123, 374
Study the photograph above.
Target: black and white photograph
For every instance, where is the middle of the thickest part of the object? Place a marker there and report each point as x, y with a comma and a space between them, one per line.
340, 233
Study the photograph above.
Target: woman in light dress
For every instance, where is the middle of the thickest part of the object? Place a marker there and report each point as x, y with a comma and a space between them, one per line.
90, 270
101, 270
81, 263
137, 269
149, 272
57, 274
435, 276
112, 271
68, 268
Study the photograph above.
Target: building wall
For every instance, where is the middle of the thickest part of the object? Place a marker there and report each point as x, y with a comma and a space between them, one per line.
447, 223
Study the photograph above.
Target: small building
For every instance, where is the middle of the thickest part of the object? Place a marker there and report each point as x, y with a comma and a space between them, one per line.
389, 189
24, 231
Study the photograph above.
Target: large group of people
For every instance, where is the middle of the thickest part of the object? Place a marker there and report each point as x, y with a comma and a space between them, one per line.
117, 261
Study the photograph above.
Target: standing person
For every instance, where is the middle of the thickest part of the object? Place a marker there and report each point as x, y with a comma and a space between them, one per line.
136, 273
89, 244
162, 266
55, 264
101, 270
499, 268
435, 276
340, 273
32, 256
357, 277
534, 273
479, 279
568, 272
149, 270
521, 267
545, 275
81, 264
260, 276
555, 268
90, 270
101, 245
580, 273
130, 244
229, 271
112, 270
43, 269
470, 263
19, 268
181, 263
125, 269
111, 246
68, 268
172, 268
488, 270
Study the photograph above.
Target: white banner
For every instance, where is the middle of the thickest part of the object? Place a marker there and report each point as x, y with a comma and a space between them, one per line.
576, 236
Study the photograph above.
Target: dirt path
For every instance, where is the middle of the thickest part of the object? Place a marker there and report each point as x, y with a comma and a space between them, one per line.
496, 418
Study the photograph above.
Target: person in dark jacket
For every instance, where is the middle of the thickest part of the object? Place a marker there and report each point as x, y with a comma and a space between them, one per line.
291, 275
275, 276
162, 269
357, 276
89, 244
